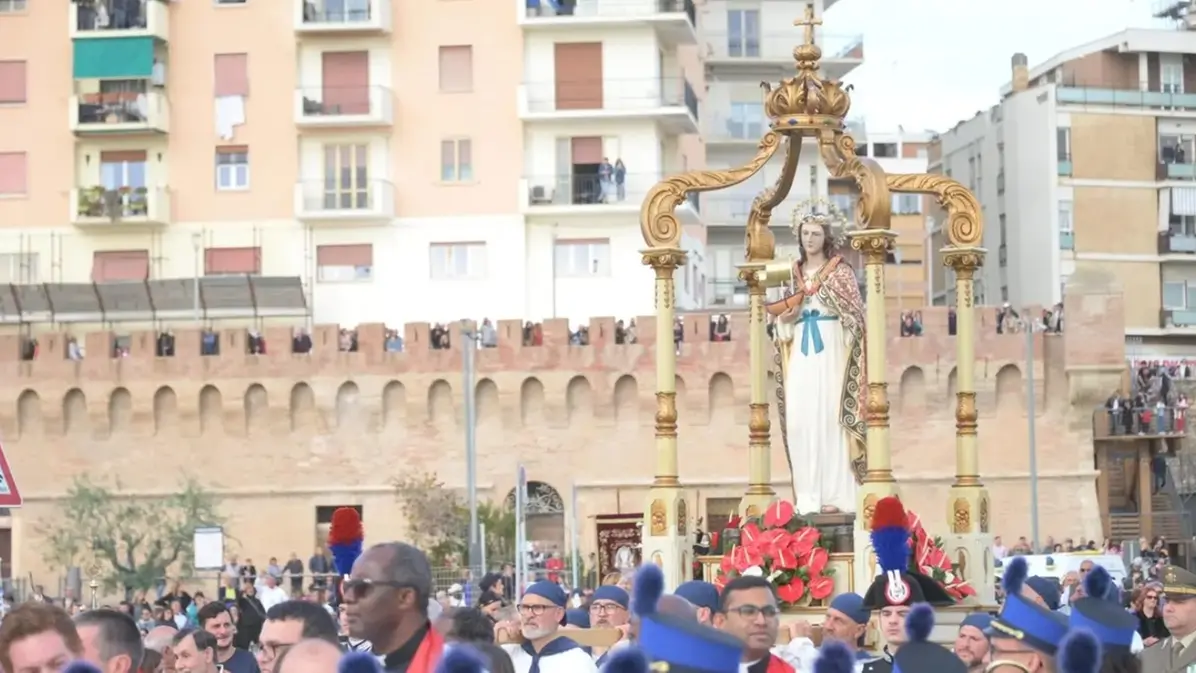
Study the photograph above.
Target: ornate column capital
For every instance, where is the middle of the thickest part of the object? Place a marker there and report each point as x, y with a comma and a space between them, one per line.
750, 273
664, 258
874, 244
964, 261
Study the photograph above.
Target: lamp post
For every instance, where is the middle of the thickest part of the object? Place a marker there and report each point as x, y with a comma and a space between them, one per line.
468, 358
1031, 436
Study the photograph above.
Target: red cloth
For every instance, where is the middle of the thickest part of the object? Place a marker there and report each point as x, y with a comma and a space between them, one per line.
778, 665
554, 566
428, 654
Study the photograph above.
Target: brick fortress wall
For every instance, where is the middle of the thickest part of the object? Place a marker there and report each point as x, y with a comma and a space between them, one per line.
279, 434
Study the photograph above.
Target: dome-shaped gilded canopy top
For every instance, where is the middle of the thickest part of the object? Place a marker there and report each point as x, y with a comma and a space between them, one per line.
806, 101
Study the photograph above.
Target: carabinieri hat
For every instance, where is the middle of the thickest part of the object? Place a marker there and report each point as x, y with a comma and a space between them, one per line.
1024, 620
897, 585
1100, 612
918, 654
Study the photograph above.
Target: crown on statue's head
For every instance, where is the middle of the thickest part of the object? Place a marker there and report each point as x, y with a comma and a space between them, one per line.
807, 100
820, 211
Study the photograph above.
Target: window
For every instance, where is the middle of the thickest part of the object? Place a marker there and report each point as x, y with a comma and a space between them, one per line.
230, 2
1001, 221
1065, 224
1171, 74
845, 203
11, 6
344, 263
582, 259
1178, 295
1063, 143
906, 204
13, 180
1182, 225
12, 82
232, 168
232, 75
116, 265
18, 267
457, 261
346, 177
884, 150
743, 32
456, 69
1176, 149
456, 162
232, 261
747, 121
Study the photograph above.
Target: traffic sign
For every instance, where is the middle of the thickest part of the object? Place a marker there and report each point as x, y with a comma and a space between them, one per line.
10, 496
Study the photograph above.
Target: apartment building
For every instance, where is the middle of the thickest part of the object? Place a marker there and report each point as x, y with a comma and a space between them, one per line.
907, 272
743, 44
1092, 155
389, 161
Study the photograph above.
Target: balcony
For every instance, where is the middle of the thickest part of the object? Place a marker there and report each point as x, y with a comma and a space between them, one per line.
1131, 98
770, 56
103, 207
723, 130
122, 112
1173, 318
675, 21
1067, 240
588, 195
1176, 171
340, 17
1177, 244
670, 101
324, 201
119, 18
1064, 169
342, 107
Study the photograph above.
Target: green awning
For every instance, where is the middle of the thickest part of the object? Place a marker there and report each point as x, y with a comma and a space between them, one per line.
114, 57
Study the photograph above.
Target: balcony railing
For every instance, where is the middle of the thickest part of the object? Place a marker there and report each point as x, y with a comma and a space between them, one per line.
588, 190
726, 292
1171, 170
1067, 240
1108, 423
119, 18
1177, 318
120, 111
328, 199
342, 15
1065, 166
335, 105
779, 46
727, 129
609, 9
1172, 244
627, 95
1125, 98
133, 204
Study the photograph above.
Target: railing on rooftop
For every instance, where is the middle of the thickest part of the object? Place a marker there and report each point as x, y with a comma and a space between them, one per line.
1125, 98
217, 297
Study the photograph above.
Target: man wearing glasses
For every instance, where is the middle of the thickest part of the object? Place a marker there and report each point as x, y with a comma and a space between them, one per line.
288, 623
748, 611
609, 610
544, 649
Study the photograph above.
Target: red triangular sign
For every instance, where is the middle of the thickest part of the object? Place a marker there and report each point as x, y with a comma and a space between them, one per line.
10, 496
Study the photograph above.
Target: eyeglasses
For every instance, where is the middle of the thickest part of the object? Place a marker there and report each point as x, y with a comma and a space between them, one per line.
605, 608
269, 650
752, 611
360, 588
535, 610
1152, 597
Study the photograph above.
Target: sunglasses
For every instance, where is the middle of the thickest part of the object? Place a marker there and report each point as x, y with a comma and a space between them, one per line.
361, 588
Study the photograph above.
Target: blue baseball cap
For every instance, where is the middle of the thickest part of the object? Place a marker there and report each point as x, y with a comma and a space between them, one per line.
700, 594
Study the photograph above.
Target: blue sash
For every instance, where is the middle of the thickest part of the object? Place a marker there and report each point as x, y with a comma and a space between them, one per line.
809, 329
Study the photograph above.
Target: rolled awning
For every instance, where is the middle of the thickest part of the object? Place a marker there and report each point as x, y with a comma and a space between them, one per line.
114, 58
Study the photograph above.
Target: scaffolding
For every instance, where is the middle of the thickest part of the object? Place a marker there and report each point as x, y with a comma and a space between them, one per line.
206, 299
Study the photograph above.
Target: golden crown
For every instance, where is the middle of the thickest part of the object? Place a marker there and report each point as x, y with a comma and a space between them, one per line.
824, 212
806, 100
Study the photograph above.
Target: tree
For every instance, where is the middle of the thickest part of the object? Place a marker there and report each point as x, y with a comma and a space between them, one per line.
438, 519
132, 541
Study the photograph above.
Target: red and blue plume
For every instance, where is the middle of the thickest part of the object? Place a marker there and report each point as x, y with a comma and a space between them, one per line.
890, 537
345, 537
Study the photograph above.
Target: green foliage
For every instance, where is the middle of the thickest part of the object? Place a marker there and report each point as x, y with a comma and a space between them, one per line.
132, 542
438, 519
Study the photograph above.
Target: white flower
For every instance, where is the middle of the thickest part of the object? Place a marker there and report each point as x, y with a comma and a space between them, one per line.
775, 574
754, 571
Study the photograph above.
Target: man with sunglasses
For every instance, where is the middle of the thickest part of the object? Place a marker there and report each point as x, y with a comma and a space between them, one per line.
386, 602
544, 649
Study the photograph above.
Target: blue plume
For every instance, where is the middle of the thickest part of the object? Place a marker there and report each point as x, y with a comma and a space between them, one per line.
1079, 652
461, 659
345, 555
649, 585
80, 666
1015, 576
626, 660
891, 545
1097, 583
359, 662
919, 623
834, 657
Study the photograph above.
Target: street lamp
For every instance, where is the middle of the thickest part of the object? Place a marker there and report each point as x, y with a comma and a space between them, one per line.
468, 358
1027, 323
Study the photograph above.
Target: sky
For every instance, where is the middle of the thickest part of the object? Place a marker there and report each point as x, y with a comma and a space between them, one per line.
929, 64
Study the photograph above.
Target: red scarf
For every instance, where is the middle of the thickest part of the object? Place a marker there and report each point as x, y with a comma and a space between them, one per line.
430, 649
778, 665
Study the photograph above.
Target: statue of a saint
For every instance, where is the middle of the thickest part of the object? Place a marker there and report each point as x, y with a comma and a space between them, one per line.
818, 330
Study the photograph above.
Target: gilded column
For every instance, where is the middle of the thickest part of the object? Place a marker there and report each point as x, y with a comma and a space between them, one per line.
968, 506
759, 491
665, 532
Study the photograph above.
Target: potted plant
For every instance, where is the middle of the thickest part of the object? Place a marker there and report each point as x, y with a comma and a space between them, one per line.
91, 202
784, 549
139, 202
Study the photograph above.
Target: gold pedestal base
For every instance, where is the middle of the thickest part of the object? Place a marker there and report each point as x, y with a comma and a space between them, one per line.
969, 545
869, 494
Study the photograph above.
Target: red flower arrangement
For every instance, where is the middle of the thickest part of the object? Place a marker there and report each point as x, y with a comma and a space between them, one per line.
785, 550
932, 560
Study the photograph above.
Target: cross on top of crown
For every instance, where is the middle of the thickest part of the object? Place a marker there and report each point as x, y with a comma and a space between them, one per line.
808, 21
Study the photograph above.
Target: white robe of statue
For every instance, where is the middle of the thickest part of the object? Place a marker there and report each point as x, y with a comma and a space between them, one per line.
818, 442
